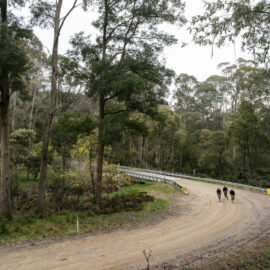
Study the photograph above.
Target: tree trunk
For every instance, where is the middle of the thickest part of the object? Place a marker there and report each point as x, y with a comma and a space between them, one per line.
234, 152
249, 162
98, 191
172, 156
220, 163
5, 206
64, 163
50, 116
5, 153
91, 172
13, 113
140, 152
31, 124
145, 153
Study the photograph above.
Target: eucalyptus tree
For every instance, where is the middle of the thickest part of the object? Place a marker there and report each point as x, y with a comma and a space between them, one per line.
248, 82
186, 86
247, 133
212, 149
13, 66
210, 100
123, 67
225, 20
163, 142
47, 14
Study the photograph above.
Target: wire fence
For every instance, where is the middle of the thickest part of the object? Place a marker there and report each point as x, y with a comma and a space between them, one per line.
127, 170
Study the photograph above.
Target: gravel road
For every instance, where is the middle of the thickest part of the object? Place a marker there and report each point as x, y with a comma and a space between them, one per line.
204, 230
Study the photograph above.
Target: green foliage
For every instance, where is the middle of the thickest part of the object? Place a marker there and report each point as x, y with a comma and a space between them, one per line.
43, 13
13, 58
222, 130
3, 228
247, 133
33, 161
64, 184
65, 133
114, 179
85, 148
19, 144
212, 145
225, 20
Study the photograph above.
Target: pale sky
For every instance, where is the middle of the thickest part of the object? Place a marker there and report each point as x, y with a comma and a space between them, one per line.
192, 59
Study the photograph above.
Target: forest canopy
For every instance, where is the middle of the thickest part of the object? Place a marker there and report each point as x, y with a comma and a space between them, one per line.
64, 118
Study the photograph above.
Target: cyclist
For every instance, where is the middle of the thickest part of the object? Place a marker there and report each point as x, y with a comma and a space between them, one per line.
219, 194
225, 191
232, 193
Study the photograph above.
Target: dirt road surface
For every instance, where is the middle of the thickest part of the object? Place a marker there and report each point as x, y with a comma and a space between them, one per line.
205, 229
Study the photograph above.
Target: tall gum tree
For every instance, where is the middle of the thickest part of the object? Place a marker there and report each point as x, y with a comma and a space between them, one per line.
13, 65
123, 64
47, 14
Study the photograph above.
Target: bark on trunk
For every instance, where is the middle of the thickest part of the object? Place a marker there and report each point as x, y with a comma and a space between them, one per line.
50, 116
13, 113
249, 162
98, 192
98, 186
5, 154
140, 152
5, 206
172, 156
64, 163
31, 125
145, 153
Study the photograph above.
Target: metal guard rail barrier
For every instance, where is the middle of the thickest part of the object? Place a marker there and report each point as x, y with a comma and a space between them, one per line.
264, 190
151, 178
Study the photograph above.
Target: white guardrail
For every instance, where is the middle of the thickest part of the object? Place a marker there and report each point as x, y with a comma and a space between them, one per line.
150, 178
130, 171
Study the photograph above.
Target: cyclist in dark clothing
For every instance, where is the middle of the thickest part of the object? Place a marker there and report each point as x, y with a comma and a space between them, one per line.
225, 191
219, 194
232, 193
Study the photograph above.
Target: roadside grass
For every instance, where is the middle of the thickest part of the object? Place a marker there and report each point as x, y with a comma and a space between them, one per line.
159, 187
25, 226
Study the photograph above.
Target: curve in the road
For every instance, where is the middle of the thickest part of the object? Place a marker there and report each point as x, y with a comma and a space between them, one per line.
204, 229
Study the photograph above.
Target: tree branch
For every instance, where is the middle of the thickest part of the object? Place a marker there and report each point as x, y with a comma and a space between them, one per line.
260, 11
68, 13
111, 97
116, 112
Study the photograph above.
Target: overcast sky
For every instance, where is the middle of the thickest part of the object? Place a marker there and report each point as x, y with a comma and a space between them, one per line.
192, 59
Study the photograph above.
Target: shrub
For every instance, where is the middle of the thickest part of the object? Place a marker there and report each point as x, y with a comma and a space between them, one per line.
4, 228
